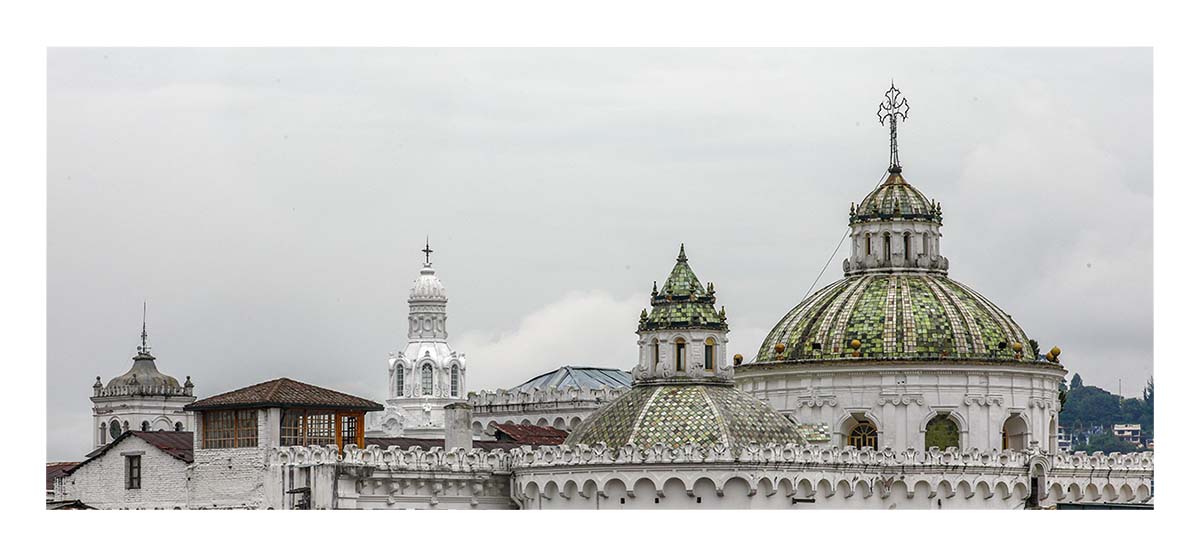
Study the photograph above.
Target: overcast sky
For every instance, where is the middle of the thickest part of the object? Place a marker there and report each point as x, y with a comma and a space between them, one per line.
270, 204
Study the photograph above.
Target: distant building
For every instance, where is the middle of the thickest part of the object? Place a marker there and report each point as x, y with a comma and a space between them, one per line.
561, 398
1131, 433
1063, 440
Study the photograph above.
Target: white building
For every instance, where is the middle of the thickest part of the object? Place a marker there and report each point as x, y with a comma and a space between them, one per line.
427, 374
138, 471
1131, 433
142, 399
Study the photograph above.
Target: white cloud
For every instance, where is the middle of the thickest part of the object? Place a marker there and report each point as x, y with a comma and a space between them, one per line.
581, 328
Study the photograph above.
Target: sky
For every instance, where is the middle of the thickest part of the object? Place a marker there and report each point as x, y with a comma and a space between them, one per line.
269, 205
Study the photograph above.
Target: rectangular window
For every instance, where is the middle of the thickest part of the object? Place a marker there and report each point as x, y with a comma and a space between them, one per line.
306, 428
708, 357
454, 382
679, 355
349, 430
230, 429
133, 472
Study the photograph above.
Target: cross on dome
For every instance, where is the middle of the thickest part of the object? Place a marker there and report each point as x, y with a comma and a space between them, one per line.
427, 251
893, 110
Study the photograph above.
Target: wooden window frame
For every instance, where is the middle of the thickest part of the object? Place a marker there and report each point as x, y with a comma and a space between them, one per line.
230, 428
133, 472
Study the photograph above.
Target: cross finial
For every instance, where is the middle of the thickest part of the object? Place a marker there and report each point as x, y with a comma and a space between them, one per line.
893, 109
427, 251
144, 349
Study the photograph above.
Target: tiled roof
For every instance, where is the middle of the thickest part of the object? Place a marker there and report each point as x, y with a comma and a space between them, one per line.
532, 435
677, 414
175, 444
895, 199
683, 302
57, 469
567, 377
283, 392
896, 316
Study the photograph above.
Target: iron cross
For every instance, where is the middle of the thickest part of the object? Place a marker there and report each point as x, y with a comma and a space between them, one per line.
893, 109
427, 250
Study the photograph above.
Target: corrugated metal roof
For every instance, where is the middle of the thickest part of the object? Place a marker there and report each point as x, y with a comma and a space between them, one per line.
175, 444
583, 378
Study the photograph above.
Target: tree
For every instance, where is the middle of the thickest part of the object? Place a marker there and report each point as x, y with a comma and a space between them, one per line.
1076, 381
1107, 443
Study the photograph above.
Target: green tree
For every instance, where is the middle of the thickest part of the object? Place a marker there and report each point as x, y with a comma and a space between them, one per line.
1107, 443
1076, 381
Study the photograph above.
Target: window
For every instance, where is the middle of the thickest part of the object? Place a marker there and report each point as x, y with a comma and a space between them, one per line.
114, 430
179, 427
399, 381
133, 472
942, 432
863, 435
887, 246
350, 430
709, 359
680, 348
304, 428
868, 241
655, 354
231, 429
454, 382
907, 248
427, 380
145, 426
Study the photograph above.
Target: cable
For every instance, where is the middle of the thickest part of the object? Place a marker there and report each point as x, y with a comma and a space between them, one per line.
835, 251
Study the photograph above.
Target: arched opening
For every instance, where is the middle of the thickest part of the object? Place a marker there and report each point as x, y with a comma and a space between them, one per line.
454, 381
867, 240
710, 348
145, 426
427, 380
1015, 435
399, 381
656, 358
907, 247
862, 434
114, 430
179, 427
680, 355
887, 246
942, 432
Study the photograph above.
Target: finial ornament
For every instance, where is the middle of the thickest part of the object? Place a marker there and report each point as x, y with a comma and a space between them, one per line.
144, 349
893, 109
427, 251
682, 256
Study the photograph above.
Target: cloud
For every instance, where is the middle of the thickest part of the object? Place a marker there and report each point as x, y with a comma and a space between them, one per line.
581, 328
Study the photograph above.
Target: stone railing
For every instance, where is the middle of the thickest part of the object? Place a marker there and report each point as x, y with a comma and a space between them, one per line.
493, 401
456, 460
1136, 461
142, 390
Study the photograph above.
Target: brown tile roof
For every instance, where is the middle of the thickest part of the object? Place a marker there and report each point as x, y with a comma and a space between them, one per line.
175, 444
533, 435
57, 469
427, 443
283, 392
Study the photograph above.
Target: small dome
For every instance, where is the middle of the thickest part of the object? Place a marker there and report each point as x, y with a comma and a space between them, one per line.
703, 414
145, 375
895, 198
427, 287
896, 316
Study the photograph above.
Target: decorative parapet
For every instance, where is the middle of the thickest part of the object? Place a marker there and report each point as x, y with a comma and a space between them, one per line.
141, 390
394, 458
500, 400
1099, 461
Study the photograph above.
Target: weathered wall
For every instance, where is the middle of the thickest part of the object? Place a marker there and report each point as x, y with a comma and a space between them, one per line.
101, 483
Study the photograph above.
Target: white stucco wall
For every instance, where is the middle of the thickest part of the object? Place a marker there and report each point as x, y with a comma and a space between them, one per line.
101, 482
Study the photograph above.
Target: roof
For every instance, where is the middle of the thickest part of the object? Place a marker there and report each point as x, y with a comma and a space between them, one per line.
57, 469
427, 443
583, 378
143, 377
67, 505
703, 414
896, 316
283, 392
683, 302
895, 198
175, 444
532, 435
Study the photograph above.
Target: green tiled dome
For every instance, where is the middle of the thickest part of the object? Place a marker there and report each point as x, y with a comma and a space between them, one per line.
683, 302
704, 414
896, 316
894, 199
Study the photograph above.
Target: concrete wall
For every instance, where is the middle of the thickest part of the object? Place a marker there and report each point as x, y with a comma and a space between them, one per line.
101, 483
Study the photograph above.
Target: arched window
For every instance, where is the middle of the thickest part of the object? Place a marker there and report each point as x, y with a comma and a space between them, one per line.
427, 380
868, 241
145, 426
656, 354
941, 431
399, 380
925, 244
710, 349
887, 246
114, 430
454, 381
680, 350
907, 247
179, 427
863, 435
1014, 434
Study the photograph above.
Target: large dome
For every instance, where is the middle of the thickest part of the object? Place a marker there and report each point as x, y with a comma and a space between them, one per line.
703, 414
896, 316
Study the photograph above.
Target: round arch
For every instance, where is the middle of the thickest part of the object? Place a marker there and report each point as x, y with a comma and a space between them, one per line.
953, 417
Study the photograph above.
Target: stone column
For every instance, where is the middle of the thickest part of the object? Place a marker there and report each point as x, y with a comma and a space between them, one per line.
458, 425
